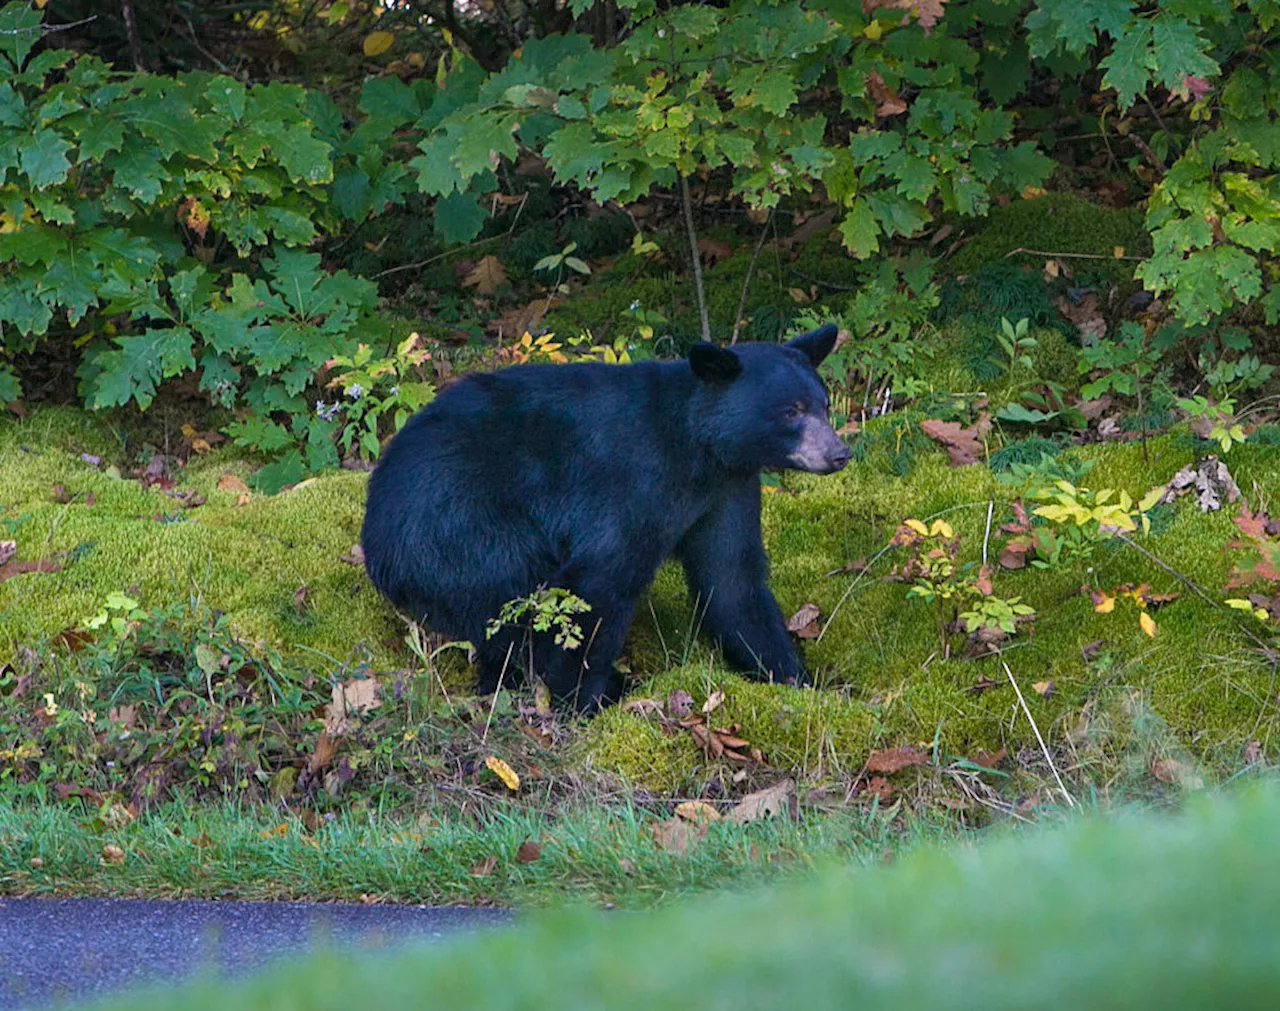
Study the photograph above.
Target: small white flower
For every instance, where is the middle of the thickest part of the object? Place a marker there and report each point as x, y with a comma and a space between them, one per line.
635, 305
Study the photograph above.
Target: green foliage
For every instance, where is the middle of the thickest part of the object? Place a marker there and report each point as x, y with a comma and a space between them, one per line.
389, 387
545, 610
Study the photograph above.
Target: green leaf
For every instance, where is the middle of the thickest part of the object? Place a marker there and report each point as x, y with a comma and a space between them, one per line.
569, 107
859, 229
1023, 165
1180, 51
139, 170
44, 159
1129, 64
227, 96
391, 97
1024, 415
10, 388
99, 138
351, 194
19, 31
458, 218
289, 469
218, 377
775, 92
479, 139
437, 174
306, 158
13, 110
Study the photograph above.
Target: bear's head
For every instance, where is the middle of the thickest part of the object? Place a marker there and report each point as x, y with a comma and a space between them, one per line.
763, 406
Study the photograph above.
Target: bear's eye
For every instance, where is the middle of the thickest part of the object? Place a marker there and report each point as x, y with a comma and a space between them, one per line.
793, 412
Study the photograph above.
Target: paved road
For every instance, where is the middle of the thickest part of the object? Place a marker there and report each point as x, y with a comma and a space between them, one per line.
60, 949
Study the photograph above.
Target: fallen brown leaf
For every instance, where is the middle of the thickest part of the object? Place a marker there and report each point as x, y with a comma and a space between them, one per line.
714, 701
963, 445
487, 276
776, 800
895, 759
354, 555
804, 623
677, 836
527, 852
112, 854
1043, 688
349, 698
697, 811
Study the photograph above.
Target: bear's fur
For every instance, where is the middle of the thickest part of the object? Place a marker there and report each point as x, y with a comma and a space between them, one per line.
586, 477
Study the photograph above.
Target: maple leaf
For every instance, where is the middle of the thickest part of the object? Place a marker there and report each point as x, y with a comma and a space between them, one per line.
486, 276
927, 12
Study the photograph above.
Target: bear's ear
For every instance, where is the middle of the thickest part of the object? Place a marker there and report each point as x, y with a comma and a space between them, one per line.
714, 364
816, 344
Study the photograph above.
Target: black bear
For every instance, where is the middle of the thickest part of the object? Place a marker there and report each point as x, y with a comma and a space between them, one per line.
586, 477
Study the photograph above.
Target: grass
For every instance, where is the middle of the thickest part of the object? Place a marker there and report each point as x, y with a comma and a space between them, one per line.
606, 855
1130, 912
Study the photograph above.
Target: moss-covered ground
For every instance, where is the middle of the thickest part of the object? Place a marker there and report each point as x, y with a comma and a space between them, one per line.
251, 614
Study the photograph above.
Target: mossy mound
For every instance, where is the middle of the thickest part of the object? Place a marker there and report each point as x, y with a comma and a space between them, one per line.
1057, 223
246, 560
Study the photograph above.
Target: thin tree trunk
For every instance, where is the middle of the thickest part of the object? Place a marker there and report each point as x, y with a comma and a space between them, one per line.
131, 29
687, 201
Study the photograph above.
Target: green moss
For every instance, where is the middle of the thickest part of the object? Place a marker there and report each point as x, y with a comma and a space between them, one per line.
879, 661
1057, 223
247, 561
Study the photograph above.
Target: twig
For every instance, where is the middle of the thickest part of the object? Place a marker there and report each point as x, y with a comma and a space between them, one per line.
746, 281
1074, 256
497, 691
1172, 571
457, 249
1071, 801
986, 536
47, 29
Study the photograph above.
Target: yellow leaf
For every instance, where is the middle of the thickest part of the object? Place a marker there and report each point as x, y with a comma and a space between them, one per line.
942, 527
697, 811
1031, 192
503, 771
1118, 252
1147, 623
873, 31
376, 43
917, 526
1106, 605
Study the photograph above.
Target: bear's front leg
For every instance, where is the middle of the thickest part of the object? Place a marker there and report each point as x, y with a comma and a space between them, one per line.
726, 569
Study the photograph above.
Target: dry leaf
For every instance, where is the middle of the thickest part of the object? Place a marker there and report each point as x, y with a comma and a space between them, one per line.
963, 445
1170, 770
1253, 753
697, 811
677, 836
349, 698
887, 101
1043, 688
713, 250
894, 759
486, 277
776, 800
988, 760
7, 550
503, 771
1147, 624
112, 854
804, 623
642, 707
527, 852
354, 555
714, 701
679, 703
